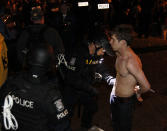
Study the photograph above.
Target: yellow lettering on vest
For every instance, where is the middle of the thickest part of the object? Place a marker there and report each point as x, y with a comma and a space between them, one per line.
90, 62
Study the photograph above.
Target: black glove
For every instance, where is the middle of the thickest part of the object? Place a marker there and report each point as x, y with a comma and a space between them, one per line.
98, 77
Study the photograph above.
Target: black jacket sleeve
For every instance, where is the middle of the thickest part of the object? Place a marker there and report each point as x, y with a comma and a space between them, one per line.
53, 38
79, 78
56, 110
21, 46
105, 73
103, 70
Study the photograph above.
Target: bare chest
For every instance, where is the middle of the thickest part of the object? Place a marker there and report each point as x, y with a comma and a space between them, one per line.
121, 66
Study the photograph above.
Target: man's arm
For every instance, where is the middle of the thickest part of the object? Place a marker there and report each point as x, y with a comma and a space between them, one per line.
135, 69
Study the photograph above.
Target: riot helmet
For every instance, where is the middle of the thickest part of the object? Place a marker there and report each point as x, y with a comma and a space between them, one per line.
41, 56
101, 40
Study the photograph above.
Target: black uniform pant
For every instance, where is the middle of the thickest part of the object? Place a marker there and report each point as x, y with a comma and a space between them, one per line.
89, 103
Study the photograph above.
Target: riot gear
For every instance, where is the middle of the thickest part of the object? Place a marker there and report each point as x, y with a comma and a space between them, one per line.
42, 56
80, 82
33, 97
100, 39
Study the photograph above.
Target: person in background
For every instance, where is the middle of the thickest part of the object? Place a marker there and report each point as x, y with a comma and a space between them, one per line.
67, 25
3, 61
10, 33
3, 27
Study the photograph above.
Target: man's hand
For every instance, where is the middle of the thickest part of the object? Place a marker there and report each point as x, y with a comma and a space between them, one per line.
138, 95
139, 98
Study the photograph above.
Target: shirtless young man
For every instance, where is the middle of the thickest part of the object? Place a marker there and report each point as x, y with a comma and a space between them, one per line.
129, 73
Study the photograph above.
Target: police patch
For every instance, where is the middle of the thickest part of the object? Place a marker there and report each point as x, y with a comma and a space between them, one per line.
59, 105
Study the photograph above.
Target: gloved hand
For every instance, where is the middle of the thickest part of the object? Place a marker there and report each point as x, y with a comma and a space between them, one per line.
110, 80
138, 95
98, 76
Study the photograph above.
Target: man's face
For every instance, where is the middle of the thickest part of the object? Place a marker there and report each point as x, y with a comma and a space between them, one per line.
115, 44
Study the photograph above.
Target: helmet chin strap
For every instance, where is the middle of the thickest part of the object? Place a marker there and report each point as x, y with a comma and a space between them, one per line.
37, 72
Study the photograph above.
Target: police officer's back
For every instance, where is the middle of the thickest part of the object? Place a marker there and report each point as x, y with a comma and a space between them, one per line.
37, 32
30, 101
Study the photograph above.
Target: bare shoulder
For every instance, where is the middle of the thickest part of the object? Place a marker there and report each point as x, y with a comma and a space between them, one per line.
134, 59
134, 62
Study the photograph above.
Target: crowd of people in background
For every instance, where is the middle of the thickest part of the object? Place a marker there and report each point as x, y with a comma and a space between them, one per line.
73, 22
134, 12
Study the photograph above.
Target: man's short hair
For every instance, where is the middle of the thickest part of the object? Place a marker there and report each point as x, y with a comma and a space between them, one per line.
36, 13
123, 32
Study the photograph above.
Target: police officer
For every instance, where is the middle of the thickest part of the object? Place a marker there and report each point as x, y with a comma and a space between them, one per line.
30, 100
84, 63
38, 32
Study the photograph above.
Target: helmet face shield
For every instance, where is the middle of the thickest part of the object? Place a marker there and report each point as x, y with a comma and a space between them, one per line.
42, 57
101, 40
108, 49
